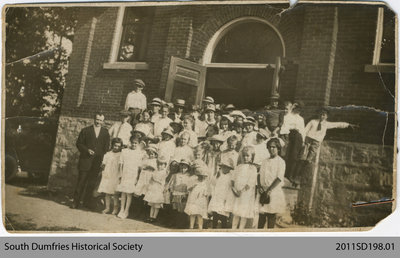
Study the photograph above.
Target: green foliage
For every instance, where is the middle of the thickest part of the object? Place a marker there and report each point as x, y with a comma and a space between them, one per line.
38, 43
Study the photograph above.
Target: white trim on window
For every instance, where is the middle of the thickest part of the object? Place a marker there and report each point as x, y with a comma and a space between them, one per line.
378, 37
207, 55
376, 65
112, 59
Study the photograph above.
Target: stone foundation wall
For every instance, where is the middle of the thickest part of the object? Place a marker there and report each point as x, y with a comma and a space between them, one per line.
347, 173
64, 167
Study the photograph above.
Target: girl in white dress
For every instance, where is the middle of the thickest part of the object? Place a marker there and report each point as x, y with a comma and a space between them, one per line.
183, 150
110, 175
178, 186
188, 126
243, 184
145, 124
197, 202
272, 173
166, 147
128, 166
222, 187
147, 167
154, 195
261, 147
249, 138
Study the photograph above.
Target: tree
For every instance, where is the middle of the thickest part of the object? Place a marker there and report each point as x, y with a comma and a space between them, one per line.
37, 48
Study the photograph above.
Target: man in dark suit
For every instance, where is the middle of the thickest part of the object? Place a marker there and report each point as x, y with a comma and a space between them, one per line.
93, 142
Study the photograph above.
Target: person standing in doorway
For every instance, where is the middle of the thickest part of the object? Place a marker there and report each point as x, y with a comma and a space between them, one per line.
93, 142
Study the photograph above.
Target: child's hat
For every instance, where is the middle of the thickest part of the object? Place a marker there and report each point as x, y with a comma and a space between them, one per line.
139, 83
162, 159
201, 171
229, 107
168, 131
237, 113
209, 100
250, 120
229, 118
177, 126
141, 129
185, 161
210, 108
152, 147
156, 102
180, 102
227, 162
217, 138
198, 164
263, 133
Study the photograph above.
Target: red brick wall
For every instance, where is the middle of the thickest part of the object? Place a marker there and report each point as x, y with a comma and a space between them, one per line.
318, 70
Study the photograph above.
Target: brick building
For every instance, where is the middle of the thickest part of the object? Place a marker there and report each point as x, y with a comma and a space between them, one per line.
341, 56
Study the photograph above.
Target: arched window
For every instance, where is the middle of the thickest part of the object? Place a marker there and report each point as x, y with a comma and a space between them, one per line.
237, 58
248, 42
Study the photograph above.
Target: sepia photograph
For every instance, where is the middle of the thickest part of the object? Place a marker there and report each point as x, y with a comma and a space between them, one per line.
198, 116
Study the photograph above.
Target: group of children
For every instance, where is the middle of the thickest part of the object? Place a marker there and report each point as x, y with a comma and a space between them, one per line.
211, 163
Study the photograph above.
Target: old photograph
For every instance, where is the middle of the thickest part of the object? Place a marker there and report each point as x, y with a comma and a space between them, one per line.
198, 116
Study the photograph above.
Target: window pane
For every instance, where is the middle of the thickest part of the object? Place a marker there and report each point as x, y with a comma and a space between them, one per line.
249, 42
388, 47
184, 91
135, 32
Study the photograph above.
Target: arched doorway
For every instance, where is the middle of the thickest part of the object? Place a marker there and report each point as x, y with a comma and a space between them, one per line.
239, 58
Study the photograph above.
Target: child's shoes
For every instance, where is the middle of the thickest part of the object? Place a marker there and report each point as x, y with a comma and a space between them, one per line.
115, 212
120, 214
106, 211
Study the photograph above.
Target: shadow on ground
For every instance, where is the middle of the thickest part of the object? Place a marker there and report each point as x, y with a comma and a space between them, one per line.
13, 224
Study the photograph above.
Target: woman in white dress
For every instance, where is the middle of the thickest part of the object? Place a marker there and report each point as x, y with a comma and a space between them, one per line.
272, 173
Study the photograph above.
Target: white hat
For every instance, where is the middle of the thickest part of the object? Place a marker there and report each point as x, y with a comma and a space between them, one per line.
156, 102
230, 119
208, 100
180, 102
237, 113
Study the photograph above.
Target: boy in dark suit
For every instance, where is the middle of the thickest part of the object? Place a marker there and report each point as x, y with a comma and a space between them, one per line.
93, 142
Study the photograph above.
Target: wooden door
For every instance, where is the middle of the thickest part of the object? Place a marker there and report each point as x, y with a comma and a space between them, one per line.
186, 80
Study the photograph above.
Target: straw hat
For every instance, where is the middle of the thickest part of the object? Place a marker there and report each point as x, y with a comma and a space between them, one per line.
180, 102
168, 131
237, 113
152, 147
264, 133
209, 100
229, 107
250, 120
184, 161
156, 102
217, 138
210, 108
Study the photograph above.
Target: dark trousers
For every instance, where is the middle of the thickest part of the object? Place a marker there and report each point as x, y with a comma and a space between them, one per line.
264, 217
222, 218
292, 155
87, 180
